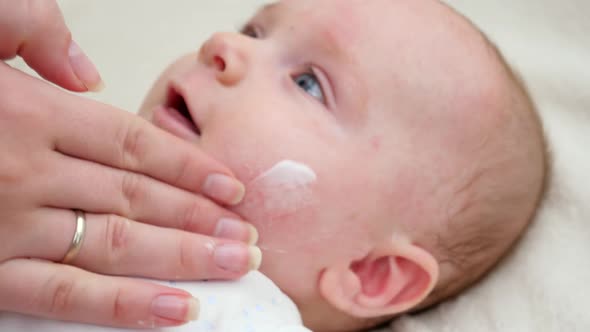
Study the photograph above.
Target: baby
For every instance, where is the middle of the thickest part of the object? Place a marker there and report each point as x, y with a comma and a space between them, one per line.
390, 155
421, 158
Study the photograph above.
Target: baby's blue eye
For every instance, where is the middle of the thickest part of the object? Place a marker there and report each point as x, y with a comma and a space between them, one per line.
309, 83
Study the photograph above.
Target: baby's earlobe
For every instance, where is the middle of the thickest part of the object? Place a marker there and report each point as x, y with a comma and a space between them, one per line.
339, 286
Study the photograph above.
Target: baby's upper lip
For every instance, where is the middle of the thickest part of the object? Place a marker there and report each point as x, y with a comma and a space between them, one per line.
176, 99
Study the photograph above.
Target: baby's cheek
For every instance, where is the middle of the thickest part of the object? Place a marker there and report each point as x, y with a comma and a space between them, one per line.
284, 228
277, 200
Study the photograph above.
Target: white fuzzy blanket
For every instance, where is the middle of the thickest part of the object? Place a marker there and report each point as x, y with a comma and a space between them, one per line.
544, 284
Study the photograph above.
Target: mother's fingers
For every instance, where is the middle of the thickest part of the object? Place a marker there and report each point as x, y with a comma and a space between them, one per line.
63, 292
89, 130
96, 132
100, 189
35, 30
119, 246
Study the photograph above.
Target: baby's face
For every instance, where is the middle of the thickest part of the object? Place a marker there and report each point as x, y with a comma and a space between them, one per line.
356, 101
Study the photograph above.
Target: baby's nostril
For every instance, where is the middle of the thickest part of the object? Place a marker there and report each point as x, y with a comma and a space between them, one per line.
219, 63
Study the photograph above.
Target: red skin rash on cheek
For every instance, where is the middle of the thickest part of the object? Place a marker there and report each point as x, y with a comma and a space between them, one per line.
258, 203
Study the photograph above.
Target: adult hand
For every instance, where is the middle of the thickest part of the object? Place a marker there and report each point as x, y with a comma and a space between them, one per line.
35, 30
151, 200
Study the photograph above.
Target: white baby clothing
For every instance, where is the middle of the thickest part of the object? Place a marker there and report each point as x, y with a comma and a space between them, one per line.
252, 304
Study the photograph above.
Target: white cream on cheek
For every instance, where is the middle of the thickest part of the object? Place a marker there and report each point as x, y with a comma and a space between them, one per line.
283, 189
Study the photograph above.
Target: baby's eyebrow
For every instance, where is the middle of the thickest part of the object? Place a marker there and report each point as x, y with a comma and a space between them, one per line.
330, 41
326, 38
267, 13
269, 9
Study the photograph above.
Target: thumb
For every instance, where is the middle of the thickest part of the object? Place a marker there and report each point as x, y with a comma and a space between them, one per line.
36, 31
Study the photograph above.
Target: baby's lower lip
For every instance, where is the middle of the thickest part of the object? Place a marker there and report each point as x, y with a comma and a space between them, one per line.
169, 119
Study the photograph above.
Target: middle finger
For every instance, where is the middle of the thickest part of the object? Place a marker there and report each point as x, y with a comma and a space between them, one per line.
93, 187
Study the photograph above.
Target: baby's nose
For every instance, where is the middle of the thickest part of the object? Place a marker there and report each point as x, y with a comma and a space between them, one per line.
224, 52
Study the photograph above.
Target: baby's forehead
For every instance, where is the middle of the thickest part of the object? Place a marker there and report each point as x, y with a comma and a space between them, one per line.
365, 28
331, 22
350, 16
404, 51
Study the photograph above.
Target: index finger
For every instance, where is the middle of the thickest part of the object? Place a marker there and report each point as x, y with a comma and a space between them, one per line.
100, 133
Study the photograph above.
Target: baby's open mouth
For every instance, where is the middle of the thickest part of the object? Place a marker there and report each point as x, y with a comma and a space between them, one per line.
179, 110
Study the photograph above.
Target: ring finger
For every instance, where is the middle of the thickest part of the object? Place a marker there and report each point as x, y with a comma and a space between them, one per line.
118, 246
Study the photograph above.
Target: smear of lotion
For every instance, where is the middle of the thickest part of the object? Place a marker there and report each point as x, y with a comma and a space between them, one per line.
283, 189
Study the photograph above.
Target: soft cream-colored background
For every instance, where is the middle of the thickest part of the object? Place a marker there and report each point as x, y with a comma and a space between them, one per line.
543, 286
132, 41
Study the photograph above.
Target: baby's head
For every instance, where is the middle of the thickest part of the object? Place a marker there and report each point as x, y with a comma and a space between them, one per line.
391, 158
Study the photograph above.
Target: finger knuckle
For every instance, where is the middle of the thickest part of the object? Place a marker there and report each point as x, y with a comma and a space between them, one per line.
187, 262
19, 173
13, 174
132, 185
120, 309
116, 239
184, 168
59, 300
191, 213
131, 143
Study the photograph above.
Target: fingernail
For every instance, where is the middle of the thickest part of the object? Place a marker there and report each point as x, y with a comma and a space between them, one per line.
174, 307
228, 228
255, 258
84, 68
236, 257
224, 188
254, 236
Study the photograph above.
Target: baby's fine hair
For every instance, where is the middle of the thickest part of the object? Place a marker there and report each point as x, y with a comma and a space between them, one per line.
479, 234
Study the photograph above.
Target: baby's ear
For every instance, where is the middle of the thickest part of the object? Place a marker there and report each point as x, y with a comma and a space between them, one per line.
390, 280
